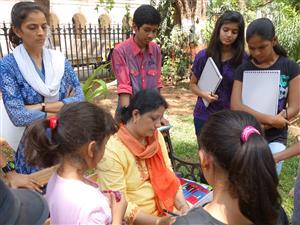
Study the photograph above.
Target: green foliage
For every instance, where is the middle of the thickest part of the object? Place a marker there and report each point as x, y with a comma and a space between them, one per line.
286, 21
284, 14
93, 86
177, 57
175, 44
107, 4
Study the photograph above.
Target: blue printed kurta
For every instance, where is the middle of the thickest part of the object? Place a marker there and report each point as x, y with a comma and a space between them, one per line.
17, 93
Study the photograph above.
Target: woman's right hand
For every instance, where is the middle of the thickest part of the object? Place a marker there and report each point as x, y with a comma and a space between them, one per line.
210, 97
118, 209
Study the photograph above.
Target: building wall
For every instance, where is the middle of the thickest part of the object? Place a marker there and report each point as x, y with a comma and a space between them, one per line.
66, 9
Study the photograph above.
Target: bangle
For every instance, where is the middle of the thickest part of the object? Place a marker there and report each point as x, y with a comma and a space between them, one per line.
43, 106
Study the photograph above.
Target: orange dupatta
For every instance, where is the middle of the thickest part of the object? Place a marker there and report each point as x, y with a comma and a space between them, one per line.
163, 181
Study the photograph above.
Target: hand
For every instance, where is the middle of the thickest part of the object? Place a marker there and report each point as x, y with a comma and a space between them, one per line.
210, 97
17, 180
183, 210
279, 121
276, 159
164, 121
117, 208
70, 92
165, 220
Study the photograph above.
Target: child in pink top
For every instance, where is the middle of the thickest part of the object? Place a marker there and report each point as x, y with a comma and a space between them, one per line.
75, 139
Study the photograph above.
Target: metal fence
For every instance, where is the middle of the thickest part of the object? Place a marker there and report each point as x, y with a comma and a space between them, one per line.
85, 47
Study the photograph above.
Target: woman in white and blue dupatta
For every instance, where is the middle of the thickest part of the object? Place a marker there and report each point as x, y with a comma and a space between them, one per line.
35, 82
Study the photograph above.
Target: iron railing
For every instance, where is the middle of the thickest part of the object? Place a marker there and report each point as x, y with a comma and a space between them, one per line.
85, 47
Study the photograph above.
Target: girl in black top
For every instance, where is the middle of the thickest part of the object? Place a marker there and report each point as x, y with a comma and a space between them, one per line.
267, 54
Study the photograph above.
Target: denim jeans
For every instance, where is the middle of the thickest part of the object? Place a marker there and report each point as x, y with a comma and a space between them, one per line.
275, 148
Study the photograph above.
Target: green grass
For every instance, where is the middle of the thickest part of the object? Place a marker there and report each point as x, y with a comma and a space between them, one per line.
185, 146
183, 137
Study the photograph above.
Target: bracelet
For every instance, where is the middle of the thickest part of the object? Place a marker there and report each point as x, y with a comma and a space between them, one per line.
43, 106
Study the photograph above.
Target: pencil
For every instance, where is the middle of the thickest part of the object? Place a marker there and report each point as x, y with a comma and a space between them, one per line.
170, 213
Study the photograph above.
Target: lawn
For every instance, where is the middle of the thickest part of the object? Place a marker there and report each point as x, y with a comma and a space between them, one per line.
185, 145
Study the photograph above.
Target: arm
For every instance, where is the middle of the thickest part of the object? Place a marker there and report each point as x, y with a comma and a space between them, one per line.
74, 93
293, 98
197, 91
180, 202
287, 153
124, 99
16, 180
277, 121
74, 90
111, 175
13, 100
121, 72
159, 82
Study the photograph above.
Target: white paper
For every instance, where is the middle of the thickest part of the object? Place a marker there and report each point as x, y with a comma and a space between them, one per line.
8, 130
260, 90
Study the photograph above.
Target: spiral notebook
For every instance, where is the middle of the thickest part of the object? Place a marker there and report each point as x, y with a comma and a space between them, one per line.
210, 78
260, 90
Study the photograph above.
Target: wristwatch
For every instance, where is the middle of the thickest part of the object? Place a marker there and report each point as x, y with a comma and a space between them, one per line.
10, 166
43, 106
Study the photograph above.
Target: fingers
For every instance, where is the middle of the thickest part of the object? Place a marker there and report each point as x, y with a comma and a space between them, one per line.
36, 186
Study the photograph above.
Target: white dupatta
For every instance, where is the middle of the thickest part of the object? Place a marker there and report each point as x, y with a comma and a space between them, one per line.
54, 64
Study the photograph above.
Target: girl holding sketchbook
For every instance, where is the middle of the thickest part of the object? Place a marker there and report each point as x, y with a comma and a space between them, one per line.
267, 54
226, 47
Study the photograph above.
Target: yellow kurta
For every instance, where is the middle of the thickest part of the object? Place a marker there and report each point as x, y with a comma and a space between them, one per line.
121, 170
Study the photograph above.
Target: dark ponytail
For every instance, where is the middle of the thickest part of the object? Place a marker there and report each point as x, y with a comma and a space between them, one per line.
250, 165
256, 181
264, 28
40, 149
77, 124
13, 38
19, 13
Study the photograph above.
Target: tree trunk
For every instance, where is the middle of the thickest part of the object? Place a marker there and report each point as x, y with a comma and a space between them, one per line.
191, 12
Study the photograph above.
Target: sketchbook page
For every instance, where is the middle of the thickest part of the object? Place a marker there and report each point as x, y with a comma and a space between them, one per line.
210, 78
260, 90
195, 193
8, 130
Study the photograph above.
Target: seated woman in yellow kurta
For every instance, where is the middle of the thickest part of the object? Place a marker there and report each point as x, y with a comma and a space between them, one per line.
136, 162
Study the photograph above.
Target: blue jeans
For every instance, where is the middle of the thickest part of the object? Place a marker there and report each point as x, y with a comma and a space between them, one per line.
275, 148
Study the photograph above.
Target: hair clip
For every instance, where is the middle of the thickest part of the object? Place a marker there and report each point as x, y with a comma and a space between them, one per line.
53, 122
247, 132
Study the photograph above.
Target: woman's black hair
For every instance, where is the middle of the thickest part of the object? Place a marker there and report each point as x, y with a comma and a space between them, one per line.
249, 165
19, 13
215, 45
78, 123
146, 14
145, 101
264, 28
